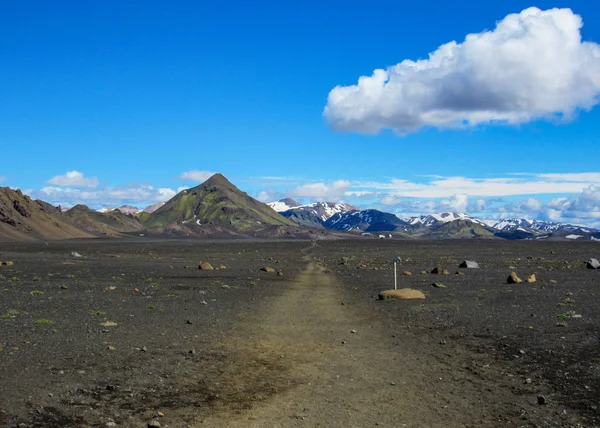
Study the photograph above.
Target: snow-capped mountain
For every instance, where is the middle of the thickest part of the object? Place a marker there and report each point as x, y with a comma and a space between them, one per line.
367, 221
540, 225
284, 204
433, 219
316, 214
125, 209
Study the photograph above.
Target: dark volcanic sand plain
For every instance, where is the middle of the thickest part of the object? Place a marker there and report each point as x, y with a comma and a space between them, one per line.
312, 348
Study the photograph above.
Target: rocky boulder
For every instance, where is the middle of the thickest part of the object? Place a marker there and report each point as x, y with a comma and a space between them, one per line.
205, 266
513, 278
593, 264
469, 264
403, 294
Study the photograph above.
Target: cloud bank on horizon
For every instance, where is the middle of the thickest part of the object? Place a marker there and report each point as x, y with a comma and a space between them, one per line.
533, 65
568, 197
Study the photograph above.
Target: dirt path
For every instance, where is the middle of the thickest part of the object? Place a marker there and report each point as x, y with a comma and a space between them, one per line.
332, 363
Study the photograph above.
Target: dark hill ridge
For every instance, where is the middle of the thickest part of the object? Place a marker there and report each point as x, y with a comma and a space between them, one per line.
22, 218
217, 203
110, 223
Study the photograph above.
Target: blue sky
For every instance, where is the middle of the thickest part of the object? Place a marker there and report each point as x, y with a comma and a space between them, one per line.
111, 102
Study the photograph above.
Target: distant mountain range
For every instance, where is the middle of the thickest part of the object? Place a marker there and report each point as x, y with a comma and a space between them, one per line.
216, 208
447, 225
311, 215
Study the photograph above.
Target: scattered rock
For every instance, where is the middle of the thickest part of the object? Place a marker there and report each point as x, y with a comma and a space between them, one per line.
423, 272
344, 260
541, 400
279, 273
267, 269
469, 264
222, 267
438, 285
403, 293
513, 279
553, 281
188, 322
593, 264
110, 424
7, 264
439, 271
108, 324
407, 273
205, 266
352, 331
459, 273
76, 254
531, 278
154, 424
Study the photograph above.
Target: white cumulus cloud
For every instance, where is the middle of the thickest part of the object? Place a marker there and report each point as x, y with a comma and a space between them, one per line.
74, 179
197, 176
133, 194
533, 65
334, 191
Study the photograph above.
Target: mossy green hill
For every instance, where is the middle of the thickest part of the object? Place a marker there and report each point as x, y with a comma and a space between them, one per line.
458, 229
216, 202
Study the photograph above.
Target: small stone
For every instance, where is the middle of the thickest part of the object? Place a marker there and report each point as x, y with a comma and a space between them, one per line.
279, 273
392, 383
513, 278
443, 342
192, 351
531, 278
188, 322
76, 254
110, 424
205, 266
154, 424
469, 264
407, 273
438, 285
439, 271
352, 331
593, 264
267, 269
144, 349
522, 352
528, 381
541, 400
161, 414
64, 287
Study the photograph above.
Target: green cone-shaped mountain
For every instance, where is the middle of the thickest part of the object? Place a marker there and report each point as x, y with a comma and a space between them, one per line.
219, 203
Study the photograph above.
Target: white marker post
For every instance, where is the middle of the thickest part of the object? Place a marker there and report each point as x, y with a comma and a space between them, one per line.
395, 277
